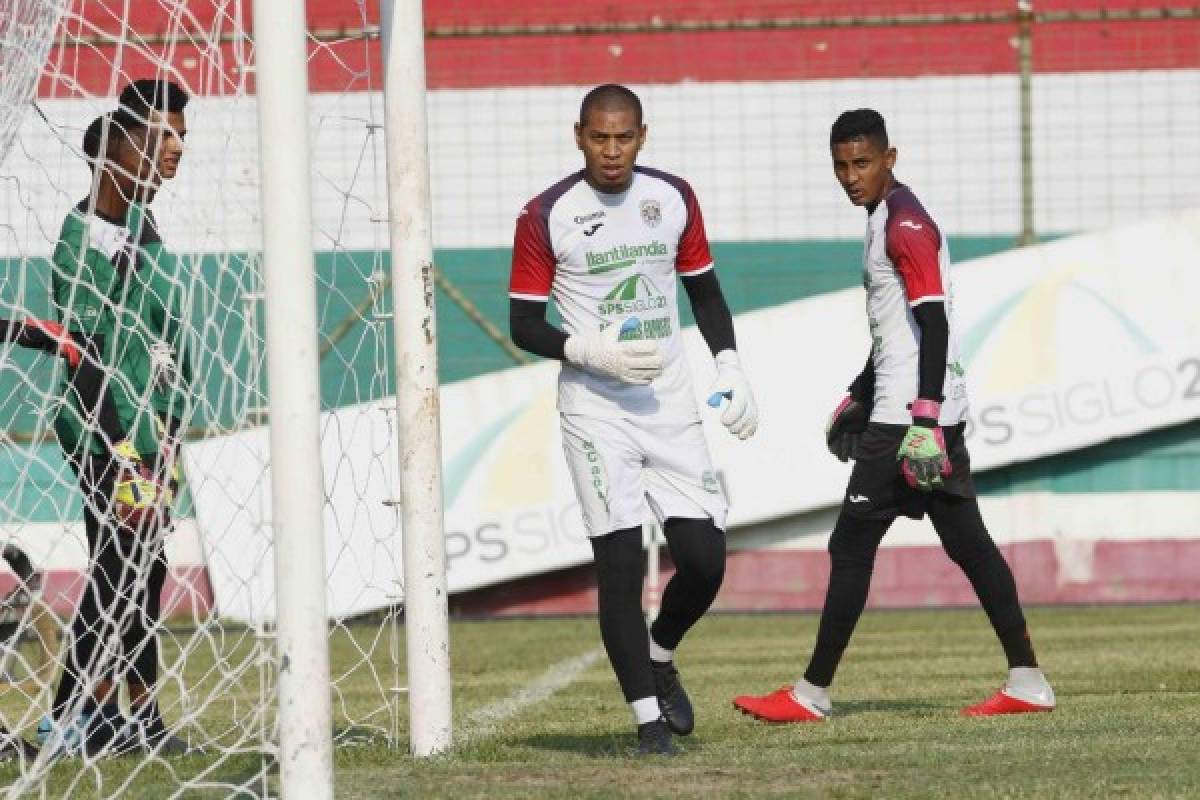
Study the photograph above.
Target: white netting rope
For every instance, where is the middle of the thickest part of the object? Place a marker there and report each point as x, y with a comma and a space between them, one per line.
26, 32
216, 684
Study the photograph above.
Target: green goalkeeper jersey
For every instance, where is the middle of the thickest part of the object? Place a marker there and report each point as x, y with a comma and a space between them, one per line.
117, 285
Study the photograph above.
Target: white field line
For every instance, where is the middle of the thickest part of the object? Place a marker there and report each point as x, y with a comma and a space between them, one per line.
484, 721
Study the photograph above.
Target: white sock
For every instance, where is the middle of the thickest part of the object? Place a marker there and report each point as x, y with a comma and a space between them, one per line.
811, 696
1029, 684
660, 654
645, 710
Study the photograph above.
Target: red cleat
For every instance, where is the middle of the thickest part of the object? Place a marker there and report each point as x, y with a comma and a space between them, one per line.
778, 706
1003, 703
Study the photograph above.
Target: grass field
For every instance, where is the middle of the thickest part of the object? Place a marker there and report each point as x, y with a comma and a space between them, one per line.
1128, 682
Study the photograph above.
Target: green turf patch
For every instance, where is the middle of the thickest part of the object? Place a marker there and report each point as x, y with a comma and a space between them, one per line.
1127, 679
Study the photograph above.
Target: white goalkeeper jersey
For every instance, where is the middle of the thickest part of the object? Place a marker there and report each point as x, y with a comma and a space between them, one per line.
906, 263
606, 258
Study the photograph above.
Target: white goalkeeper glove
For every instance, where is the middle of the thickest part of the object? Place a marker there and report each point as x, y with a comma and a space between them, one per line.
637, 362
741, 414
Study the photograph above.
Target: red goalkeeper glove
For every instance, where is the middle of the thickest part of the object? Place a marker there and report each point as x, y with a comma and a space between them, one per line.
57, 334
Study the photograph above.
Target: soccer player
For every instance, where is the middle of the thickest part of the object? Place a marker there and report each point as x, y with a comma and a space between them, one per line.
120, 293
903, 422
607, 243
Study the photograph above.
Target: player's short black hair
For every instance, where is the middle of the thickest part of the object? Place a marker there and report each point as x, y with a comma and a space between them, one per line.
152, 94
141, 97
861, 123
610, 97
94, 136
134, 105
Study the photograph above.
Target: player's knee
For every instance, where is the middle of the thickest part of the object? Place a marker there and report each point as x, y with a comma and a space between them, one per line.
709, 563
144, 669
698, 550
619, 560
848, 548
705, 573
970, 552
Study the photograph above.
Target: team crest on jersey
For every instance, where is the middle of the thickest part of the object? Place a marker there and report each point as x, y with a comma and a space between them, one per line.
651, 212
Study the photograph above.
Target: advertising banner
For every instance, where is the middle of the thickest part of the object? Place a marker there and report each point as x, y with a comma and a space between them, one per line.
1064, 345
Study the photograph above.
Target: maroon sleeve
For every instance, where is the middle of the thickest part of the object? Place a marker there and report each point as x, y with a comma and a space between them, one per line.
693, 254
912, 245
532, 256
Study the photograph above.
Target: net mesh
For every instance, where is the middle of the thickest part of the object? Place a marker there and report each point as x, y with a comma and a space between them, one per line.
738, 98
215, 685
27, 30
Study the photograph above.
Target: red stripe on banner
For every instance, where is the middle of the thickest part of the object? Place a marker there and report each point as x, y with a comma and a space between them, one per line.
823, 53
1149, 571
186, 594
905, 577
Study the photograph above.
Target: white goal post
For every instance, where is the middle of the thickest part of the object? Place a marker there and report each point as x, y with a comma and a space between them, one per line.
297, 488
417, 404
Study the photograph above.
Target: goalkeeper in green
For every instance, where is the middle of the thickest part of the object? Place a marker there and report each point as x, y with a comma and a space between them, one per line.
121, 297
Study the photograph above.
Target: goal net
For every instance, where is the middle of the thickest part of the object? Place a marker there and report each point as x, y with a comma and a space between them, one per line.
738, 97
64, 63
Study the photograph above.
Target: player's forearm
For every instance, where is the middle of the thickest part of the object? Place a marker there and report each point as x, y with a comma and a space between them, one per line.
28, 333
531, 332
81, 355
935, 342
712, 314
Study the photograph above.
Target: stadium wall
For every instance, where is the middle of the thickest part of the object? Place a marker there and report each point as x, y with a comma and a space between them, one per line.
1114, 523
746, 125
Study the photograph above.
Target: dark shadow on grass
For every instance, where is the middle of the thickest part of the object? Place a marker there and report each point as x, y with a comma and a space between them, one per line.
604, 745
598, 745
846, 709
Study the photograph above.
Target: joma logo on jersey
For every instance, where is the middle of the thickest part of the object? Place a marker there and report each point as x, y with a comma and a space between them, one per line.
583, 219
621, 256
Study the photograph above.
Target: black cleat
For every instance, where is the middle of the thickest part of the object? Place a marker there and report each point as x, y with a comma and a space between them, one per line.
160, 741
673, 698
156, 737
15, 748
169, 745
654, 739
110, 733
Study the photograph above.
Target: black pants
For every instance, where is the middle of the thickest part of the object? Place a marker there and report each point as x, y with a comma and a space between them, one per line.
697, 549
114, 633
876, 495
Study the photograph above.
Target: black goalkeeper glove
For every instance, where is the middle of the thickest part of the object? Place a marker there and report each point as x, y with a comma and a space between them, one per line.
845, 426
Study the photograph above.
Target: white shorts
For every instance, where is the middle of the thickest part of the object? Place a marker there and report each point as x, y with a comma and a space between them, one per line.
619, 467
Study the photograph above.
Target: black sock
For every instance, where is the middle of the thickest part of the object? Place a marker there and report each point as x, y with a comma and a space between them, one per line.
964, 536
852, 548
698, 552
619, 565
1018, 648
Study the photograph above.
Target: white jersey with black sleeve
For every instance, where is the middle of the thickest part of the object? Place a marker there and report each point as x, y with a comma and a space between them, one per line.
906, 263
607, 258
